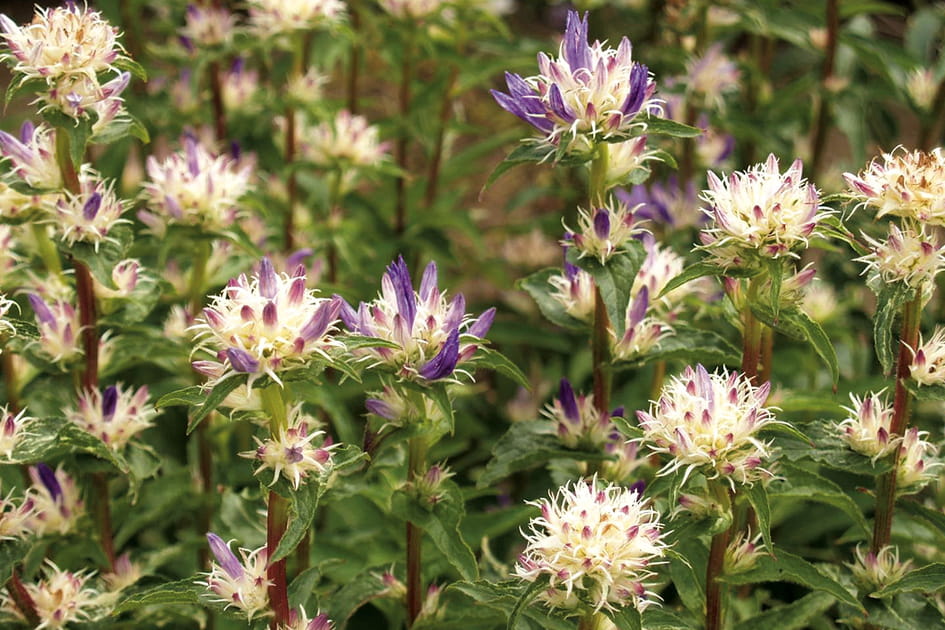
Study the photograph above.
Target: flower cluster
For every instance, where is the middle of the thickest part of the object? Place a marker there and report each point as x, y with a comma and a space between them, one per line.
292, 453
411, 9
194, 187
915, 466
12, 429
868, 430
928, 361
15, 519
271, 18
712, 75
578, 423
430, 335
60, 598
208, 25
55, 500
114, 415
876, 570
594, 544
59, 327
588, 93
32, 156
265, 325
241, 584
642, 333
87, 216
907, 255
760, 212
708, 422
604, 231
905, 184
68, 47
345, 142
298, 620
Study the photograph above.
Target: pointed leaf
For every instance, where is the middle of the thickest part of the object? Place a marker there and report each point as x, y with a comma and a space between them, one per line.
181, 592
928, 579
495, 360
526, 598
213, 400
667, 127
626, 618
304, 501
539, 288
889, 304
757, 495
794, 616
614, 279
799, 483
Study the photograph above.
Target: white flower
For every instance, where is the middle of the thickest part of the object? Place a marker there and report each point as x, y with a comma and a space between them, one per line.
742, 553
903, 184
114, 415
266, 324
921, 86
55, 499
593, 544
712, 75
916, 468
708, 422
298, 620
124, 574
574, 290
411, 9
399, 408
306, 89
32, 156
868, 430
578, 422
909, 255
59, 328
12, 429
88, 216
928, 360
642, 333
661, 265
759, 213
603, 232
61, 598
270, 18
347, 143
15, 519
241, 584
239, 88
292, 454
819, 301
208, 25
876, 570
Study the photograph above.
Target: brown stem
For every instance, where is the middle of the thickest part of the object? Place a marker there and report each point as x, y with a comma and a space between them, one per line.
103, 515
433, 173
216, 97
767, 352
22, 599
751, 345
713, 588
600, 350
291, 184
415, 464
822, 104
400, 148
354, 60
276, 521
886, 486
85, 291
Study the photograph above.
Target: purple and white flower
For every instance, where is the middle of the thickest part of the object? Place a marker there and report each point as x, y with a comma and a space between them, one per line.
908, 255
32, 155
928, 360
578, 422
55, 500
114, 415
238, 582
60, 598
916, 468
208, 25
15, 517
868, 429
298, 620
59, 328
88, 216
904, 184
602, 232
642, 332
292, 453
272, 18
13, 427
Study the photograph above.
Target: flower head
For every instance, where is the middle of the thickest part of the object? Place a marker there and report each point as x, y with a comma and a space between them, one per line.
660, 266
908, 255
78, 95
664, 203
928, 360
271, 18
87, 217
916, 468
124, 574
266, 324
428, 486
742, 553
114, 415
195, 187
876, 570
574, 290
578, 423
292, 453
238, 582
595, 544
56, 500
348, 142
12, 429
921, 86
708, 422
431, 334
32, 155
61, 598
59, 327
712, 75
208, 25
411, 9
626, 459
298, 620
759, 213
642, 332
239, 87
603, 231
903, 184
588, 93
868, 429
15, 519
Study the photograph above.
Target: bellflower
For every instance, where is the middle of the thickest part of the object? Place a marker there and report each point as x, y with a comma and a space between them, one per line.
642, 332
602, 232
15, 519
742, 553
578, 422
59, 328
399, 409
574, 290
348, 142
587, 94
55, 497
712, 75
708, 422
908, 255
876, 570
88, 216
903, 184
595, 544
60, 597
868, 428
915, 465
759, 213
298, 620
306, 89
266, 324
208, 26
78, 95
13, 427
114, 415
928, 360
32, 155
292, 453
238, 582
411, 9
270, 18
432, 335
194, 187
626, 459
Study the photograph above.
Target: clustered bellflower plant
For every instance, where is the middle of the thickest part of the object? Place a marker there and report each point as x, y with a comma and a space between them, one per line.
265, 363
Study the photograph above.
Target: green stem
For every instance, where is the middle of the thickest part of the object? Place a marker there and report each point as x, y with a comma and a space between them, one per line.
277, 516
416, 463
600, 335
751, 336
46, 248
597, 183
433, 173
886, 486
592, 621
714, 608
659, 375
354, 63
10, 384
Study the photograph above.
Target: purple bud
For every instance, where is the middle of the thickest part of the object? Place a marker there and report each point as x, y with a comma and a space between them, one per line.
270, 314
92, 205
320, 622
27, 131
403, 290
602, 223
380, 408
43, 314
48, 477
268, 281
444, 362
242, 361
109, 402
568, 401
227, 559
638, 487
619, 412
298, 257
482, 325
347, 313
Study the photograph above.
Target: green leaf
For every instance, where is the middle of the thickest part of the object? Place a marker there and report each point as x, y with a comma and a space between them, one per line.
101, 260
796, 323
121, 128
667, 127
799, 483
504, 596
129, 65
933, 518
539, 288
626, 618
181, 592
783, 566
889, 302
794, 616
690, 273
15, 88
304, 501
192, 396
541, 582
691, 345
495, 360
213, 400
757, 495
356, 342
926, 392
534, 151
53, 438
302, 586
776, 274
78, 129
11, 552
689, 583
439, 395
928, 579
614, 279
354, 594
659, 618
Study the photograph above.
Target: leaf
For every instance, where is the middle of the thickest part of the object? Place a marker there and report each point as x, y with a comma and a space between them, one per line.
659, 618
689, 584
690, 345
181, 592
101, 260
933, 518
217, 395
503, 596
302, 586
799, 483
796, 323
667, 127
495, 360
127, 64
533, 151
11, 552
690, 273
354, 594
614, 279
783, 566
757, 495
53, 438
16, 88
794, 616
626, 618
304, 501
192, 396
889, 302
78, 129
926, 392
525, 599
121, 128
539, 288
928, 579
441, 397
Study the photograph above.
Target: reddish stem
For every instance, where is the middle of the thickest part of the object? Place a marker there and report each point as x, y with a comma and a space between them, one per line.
276, 521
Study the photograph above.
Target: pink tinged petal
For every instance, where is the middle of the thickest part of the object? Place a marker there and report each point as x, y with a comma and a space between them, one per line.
268, 280
321, 622
43, 314
327, 313
270, 314
296, 291
227, 559
919, 358
428, 283
247, 314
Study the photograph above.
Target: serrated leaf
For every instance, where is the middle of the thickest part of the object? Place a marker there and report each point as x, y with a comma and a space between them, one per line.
213, 400
188, 396
126, 125
783, 566
933, 518
794, 616
53, 438
303, 502
441, 397
539, 288
926, 392
532, 151
799, 483
889, 303
626, 618
495, 360
757, 496
356, 342
181, 592
15, 88
526, 598
667, 127
614, 279
688, 582
503, 596
690, 273
798, 324
928, 579
302, 586
659, 618
354, 594
102, 260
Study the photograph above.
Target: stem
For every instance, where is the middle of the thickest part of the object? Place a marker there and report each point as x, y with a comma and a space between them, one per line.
592, 621
216, 97
291, 185
103, 516
400, 149
597, 183
600, 335
767, 352
822, 104
46, 248
10, 384
85, 291
714, 613
751, 337
659, 375
197, 290
886, 487
277, 516
416, 461
22, 599
354, 63
433, 174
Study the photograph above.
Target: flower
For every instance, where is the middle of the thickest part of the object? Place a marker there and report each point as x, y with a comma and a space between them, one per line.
594, 545
266, 325
239, 87
642, 333
915, 468
903, 184
15, 519
921, 86
712, 75
270, 18
819, 301
78, 95
59, 328
626, 161
625, 460
578, 422
32, 156
909, 255
411, 9
292, 453
664, 203
587, 94
124, 574
709, 422
741, 554
126, 277
12, 429
298, 620
928, 360
194, 187
241, 584
428, 486
208, 25
114, 415
400, 409
868, 430
759, 213
347, 143
660, 266
604, 231
60, 598
431, 335
56, 500
89, 215
574, 290
876, 570
16, 205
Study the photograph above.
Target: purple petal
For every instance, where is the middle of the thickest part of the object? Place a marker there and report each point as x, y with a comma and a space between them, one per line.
380, 408
457, 310
638, 308
92, 205
298, 258
403, 291
558, 106
639, 75
321, 320
482, 325
48, 477
602, 223
190, 147
428, 282
27, 131
242, 361
43, 314
568, 401
268, 281
444, 362
109, 402
576, 51
227, 559
348, 315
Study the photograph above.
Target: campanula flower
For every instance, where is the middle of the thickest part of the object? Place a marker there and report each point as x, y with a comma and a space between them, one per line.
238, 582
